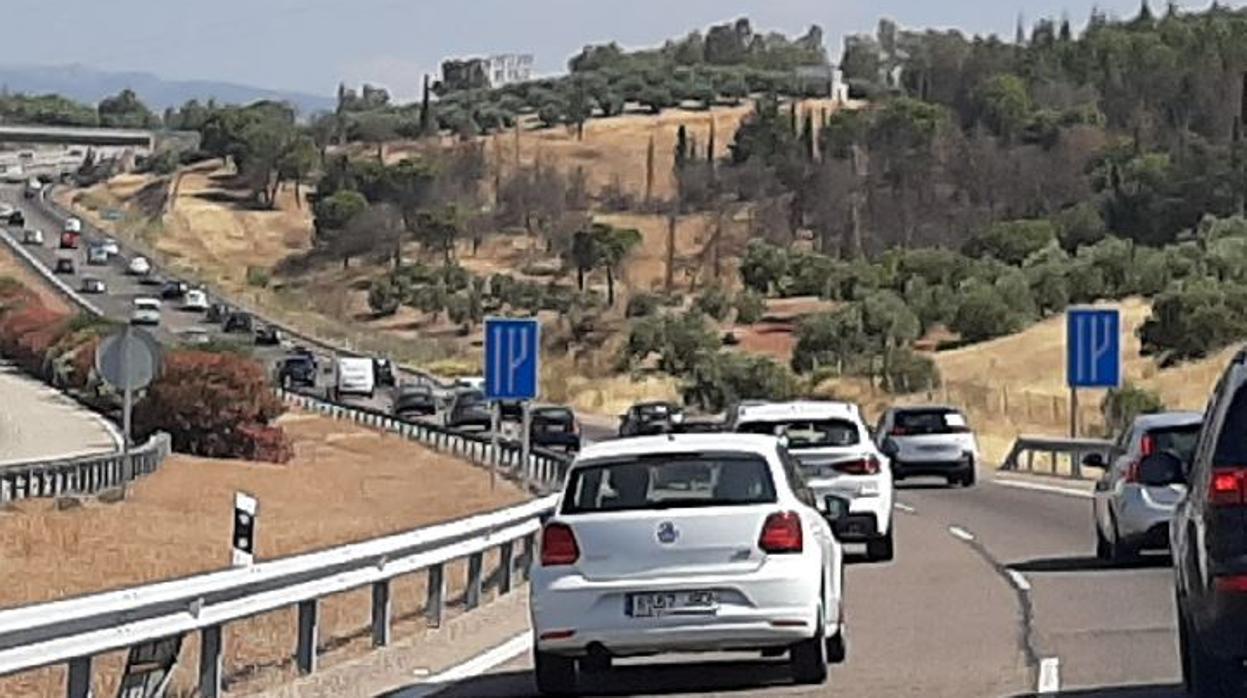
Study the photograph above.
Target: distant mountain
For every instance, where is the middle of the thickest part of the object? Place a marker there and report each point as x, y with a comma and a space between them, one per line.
89, 85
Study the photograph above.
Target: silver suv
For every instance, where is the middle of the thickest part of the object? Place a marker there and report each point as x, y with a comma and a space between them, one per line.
929, 440
1131, 516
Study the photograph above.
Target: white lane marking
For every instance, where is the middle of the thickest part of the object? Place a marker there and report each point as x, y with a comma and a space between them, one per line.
1050, 489
1049, 676
480, 664
905, 508
1019, 580
961, 533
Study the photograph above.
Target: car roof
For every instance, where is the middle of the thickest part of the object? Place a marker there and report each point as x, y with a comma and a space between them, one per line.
902, 409
798, 409
143, 300
1168, 419
680, 443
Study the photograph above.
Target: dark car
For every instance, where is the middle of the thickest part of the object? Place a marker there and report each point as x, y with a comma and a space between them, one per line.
511, 410
554, 427
238, 322
415, 401
91, 284
649, 418
64, 265
17, 218
267, 335
172, 289
383, 371
1208, 540
151, 280
298, 370
468, 408
217, 312
694, 426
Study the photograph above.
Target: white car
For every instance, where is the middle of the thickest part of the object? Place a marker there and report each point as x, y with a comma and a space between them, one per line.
685, 543
111, 246
139, 266
195, 300
146, 311
837, 456
73, 225
32, 236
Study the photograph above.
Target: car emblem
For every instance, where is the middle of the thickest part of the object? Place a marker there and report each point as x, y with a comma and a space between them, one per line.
667, 533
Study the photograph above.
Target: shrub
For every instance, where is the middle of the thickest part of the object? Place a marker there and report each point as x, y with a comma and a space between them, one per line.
750, 307
205, 401
723, 378
384, 297
258, 277
714, 302
642, 304
830, 340
267, 444
1192, 320
982, 314
1012, 242
1120, 406
908, 372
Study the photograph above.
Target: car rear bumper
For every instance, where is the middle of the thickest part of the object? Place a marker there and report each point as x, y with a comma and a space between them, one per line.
1222, 627
557, 441
918, 468
769, 608
1141, 519
872, 513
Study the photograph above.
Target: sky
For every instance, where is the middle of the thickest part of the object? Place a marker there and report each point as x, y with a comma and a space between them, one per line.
311, 45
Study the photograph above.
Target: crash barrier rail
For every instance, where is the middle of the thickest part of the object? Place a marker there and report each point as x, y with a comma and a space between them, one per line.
73, 631
544, 471
38, 267
1073, 450
85, 475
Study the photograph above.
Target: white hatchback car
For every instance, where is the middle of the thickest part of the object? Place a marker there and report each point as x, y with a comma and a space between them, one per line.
146, 311
195, 300
686, 543
139, 266
837, 456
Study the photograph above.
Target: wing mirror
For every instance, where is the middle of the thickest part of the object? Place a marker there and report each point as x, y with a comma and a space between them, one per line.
1094, 460
836, 511
1161, 469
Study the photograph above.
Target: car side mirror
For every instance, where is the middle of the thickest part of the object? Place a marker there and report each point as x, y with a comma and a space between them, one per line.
1161, 469
1094, 460
835, 511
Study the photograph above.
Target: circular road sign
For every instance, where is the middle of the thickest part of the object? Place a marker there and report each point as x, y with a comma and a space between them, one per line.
129, 359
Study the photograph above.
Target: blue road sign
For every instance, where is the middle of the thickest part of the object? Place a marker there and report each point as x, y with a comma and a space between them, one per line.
1093, 348
512, 359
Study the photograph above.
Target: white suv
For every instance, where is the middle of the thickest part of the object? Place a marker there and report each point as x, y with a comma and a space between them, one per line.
837, 456
686, 543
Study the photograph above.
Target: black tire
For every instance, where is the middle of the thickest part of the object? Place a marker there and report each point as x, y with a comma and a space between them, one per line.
1121, 553
595, 663
808, 658
881, 549
1103, 551
1205, 675
555, 675
970, 477
837, 648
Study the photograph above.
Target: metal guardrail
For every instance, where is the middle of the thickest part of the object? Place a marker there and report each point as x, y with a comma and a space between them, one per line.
37, 267
74, 631
1054, 447
85, 475
544, 471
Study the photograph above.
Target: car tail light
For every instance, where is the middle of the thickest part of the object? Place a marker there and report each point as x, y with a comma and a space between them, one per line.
1228, 487
864, 466
558, 545
898, 431
781, 533
1148, 446
1236, 583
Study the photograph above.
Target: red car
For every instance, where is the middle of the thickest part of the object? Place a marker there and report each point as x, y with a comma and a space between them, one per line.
69, 240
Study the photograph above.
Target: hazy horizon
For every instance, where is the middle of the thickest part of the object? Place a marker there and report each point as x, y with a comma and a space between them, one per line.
312, 45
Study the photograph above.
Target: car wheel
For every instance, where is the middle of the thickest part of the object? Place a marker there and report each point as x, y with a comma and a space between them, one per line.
970, 477
1205, 675
598, 663
881, 549
556, 675
837, 647
1120, 552
809, 657
1103, 551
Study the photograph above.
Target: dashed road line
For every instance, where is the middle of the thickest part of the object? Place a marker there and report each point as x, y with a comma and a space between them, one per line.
1049, 489
905, 508
961, 533
1019, 580
1049, 676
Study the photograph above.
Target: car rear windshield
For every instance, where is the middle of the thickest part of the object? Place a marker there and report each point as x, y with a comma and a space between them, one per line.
1178, 440
807, 433
936, 421
669, 482
654, 411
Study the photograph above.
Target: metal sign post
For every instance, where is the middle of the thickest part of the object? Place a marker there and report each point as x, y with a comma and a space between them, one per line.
495, 415
128, 360
526, 444
512, 373
245, 509
1093, 354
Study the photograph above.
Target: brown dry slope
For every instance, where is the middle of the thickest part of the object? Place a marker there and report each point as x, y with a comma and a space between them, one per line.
345, 484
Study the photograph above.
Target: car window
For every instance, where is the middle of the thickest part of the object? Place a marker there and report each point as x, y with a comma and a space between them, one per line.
929, 421
807, 433
669, 481
1231, 447
796, 480
1177, 440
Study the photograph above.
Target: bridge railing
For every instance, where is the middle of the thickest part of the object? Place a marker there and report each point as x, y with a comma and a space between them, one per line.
1059, 457
74, 631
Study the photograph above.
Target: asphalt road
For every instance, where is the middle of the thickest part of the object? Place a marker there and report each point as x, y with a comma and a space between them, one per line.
39, 423
989, 585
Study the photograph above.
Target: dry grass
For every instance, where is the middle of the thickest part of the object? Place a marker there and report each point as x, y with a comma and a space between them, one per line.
345, 484
14, 268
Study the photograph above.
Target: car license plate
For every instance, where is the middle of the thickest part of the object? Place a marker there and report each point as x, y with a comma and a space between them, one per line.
672, 603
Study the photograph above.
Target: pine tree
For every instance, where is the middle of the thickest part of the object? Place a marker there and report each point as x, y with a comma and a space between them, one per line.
1065, 34
1019, 34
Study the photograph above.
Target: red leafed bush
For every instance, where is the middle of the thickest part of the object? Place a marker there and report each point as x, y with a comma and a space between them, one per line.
270, 444
214, 405
28, 330
82, 361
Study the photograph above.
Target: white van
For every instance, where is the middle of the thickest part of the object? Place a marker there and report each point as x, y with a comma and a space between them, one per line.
355, 377
73, 225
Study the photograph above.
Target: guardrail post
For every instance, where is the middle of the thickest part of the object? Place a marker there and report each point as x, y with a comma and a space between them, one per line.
505, 566
381, 613
436, 596
305, 654
473, 594
210, 662
530, 542
78, 684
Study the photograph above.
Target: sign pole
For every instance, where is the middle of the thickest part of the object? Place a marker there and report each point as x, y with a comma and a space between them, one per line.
1073, 413
127, 409
526, 444
495, 418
